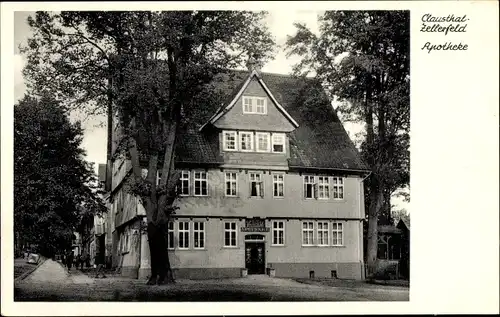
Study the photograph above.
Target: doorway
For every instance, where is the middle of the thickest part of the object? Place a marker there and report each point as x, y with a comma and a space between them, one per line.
255, 257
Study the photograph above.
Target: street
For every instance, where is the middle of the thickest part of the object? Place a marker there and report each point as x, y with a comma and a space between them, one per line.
51, 282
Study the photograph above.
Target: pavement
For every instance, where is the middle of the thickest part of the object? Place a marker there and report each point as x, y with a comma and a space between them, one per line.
52, 282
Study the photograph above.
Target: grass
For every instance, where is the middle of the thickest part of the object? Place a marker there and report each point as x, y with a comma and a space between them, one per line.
21, 267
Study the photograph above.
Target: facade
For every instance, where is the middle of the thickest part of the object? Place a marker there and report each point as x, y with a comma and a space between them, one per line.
270, 182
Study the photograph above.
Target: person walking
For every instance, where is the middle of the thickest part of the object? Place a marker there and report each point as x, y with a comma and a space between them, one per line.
69, 260
100, 266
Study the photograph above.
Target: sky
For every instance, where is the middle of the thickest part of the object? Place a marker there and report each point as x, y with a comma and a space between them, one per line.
280, 24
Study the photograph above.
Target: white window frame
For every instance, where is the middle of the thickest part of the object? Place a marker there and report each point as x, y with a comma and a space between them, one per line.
255, 177
253, 105
201, 180
323, 230
267, 135
188, 179
171, 230
198, 232
313, 183
224, 140
231, 183
307, 231
275, 232
336, 231
282, 136
324, 187
338, 183
184, 232
240, 138
277, 182
230, 231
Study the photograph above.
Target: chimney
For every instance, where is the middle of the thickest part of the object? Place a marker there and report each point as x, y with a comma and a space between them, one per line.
253, 63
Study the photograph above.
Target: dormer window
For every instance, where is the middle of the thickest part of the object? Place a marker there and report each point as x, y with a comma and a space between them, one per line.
246, 141
278, 143
254, 105
229, 140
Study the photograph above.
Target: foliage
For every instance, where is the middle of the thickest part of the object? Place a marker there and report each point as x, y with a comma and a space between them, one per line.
362, 59
53, 185
154, 67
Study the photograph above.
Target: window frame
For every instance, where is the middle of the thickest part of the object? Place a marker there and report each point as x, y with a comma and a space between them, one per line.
335, 233
323, 231
309, 230
224, 140
184, 231
171, 231
305, 187
240, 140
257, 147
253, 106
326, 187
199, 231
283, 139
261, 181
337, 183
201, 180
276, 231
276, 182
230, 230
231, 182
188, 179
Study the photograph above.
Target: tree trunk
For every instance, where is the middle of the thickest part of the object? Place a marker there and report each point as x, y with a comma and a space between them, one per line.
376, 201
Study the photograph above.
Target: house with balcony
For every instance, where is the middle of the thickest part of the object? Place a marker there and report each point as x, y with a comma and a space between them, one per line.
270, 182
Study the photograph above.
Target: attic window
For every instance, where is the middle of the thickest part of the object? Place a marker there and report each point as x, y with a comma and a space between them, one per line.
254, 105
278, 143
229, 138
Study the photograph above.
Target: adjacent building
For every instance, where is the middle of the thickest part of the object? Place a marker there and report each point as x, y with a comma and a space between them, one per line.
270, 182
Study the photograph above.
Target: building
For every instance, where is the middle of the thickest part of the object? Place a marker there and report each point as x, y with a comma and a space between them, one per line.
270, 182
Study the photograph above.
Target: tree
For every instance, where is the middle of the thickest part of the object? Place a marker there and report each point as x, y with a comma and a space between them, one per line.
53, 184
362, 58
161, 66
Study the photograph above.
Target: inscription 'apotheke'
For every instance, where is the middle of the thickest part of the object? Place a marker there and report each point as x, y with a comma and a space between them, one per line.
444, 24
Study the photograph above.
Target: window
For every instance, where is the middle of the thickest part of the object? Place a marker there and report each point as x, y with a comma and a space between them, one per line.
278, 143
230, 234
307, 233
200, 184
337, 232
171, 244
309, 192
256, 185
323, 187
278, 233
246, 141
323, 233
278, 185
184, 183
199, 235
254, 105
231, 184
263, 144
183, 235
229, 140
338, 188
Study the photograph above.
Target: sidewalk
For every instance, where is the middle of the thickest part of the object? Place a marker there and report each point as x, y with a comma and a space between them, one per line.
53, 272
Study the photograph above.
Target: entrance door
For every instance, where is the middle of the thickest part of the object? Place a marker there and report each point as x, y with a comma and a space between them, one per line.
255, 257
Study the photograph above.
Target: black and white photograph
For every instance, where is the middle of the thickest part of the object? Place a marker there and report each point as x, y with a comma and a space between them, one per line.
213, 177
222, 156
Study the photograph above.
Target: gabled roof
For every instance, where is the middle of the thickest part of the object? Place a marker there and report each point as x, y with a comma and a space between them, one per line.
319, 141
236, 94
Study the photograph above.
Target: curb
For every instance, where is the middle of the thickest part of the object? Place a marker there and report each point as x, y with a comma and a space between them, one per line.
388, 283
26, 274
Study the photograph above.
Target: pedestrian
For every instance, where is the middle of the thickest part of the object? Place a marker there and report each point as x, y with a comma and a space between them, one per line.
69, 260
100, 266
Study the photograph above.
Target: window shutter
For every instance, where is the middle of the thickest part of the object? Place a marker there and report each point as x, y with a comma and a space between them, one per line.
261, 184
315, 187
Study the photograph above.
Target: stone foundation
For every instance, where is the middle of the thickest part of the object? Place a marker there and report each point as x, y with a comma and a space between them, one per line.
196, 273
354, 270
